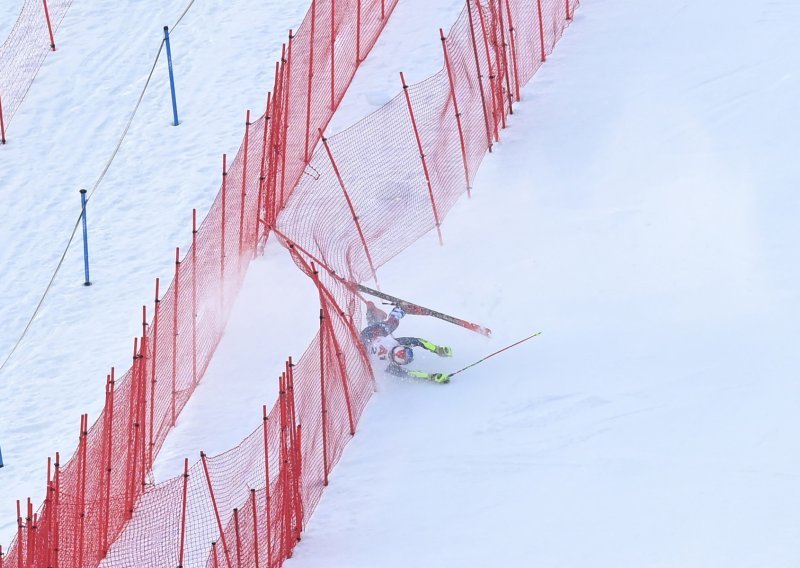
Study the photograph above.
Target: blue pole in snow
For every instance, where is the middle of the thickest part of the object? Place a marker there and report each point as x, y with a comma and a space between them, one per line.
1, 457
171, 77
86, 282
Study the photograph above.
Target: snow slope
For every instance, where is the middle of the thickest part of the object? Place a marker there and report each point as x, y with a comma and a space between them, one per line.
60, 140
8, 16
639, 210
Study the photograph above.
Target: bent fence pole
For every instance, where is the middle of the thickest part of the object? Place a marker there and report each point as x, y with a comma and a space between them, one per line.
350, 206
422, 157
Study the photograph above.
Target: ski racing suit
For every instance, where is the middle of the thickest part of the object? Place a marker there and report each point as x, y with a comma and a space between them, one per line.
378, 339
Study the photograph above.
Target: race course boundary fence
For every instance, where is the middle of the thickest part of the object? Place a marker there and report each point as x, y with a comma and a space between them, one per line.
375, 189
23, 52
372, 193
90, 498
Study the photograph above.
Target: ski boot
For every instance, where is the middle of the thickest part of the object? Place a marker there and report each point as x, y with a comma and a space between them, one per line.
440, 350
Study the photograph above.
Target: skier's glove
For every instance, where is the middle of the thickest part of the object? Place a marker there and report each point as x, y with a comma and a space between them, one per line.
436, 377
397, 312
419, 375
443, 351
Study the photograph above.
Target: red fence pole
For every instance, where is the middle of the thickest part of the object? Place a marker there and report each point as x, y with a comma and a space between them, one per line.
19, 535
541, 30
48, 507
82, 499
358, 33
342, 370
422, 156
569, 16
497, 21
222, 236
144, 422
238, 538
295, 455
183, 510
194, 296
102, 503
333, 53
492, 77
323, 396
3, 124
130, 458
479, 74
310, 75
512, 32
29, 534
57, 501
298, 474
216, 511
175, 331
268, 511
255, 526
153, 375
50, 27
109, 451
284, 469
287, 80
451, 79
274, 138
352, 209
244, 188
214, 554
263, 174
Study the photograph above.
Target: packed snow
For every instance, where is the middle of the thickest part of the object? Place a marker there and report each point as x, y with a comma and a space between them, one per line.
639, 211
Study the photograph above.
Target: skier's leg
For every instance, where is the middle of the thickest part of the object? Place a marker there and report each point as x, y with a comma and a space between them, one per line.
441, 350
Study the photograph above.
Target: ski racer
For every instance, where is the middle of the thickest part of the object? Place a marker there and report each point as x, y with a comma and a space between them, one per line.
398, 352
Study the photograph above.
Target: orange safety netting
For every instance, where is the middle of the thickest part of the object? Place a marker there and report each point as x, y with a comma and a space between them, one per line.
92, 496
248, 506
24, 50
376, 188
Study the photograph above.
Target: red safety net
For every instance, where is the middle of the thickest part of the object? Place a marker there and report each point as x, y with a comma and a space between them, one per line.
23, 52
375, 189
383, 183
92, 496
248, 506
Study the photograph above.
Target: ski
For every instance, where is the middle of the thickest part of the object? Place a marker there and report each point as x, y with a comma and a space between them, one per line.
417, 310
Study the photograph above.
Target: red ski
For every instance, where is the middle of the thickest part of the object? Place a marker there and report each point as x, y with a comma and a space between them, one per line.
417, 310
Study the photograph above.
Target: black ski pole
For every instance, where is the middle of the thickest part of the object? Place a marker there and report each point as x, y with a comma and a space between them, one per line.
496, 352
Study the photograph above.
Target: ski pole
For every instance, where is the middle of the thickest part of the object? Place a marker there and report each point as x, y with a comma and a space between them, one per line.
497, 352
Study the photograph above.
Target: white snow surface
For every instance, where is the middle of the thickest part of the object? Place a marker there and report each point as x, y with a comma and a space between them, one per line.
59, 141
640, 211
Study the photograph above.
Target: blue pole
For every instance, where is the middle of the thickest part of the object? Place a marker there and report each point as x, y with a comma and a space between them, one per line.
1, 457
171, 77
86, 282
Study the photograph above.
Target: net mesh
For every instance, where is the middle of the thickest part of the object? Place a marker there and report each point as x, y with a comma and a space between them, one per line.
342, 209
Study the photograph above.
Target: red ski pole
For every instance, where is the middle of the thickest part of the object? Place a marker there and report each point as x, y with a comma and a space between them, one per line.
496, 352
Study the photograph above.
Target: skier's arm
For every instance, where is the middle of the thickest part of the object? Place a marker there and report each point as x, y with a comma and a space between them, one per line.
394, 318
425, 344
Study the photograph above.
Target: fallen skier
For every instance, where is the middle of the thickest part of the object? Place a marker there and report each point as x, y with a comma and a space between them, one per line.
398, 352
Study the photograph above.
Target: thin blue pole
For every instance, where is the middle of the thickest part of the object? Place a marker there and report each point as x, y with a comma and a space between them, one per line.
1, 457
171, 77
87, 282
